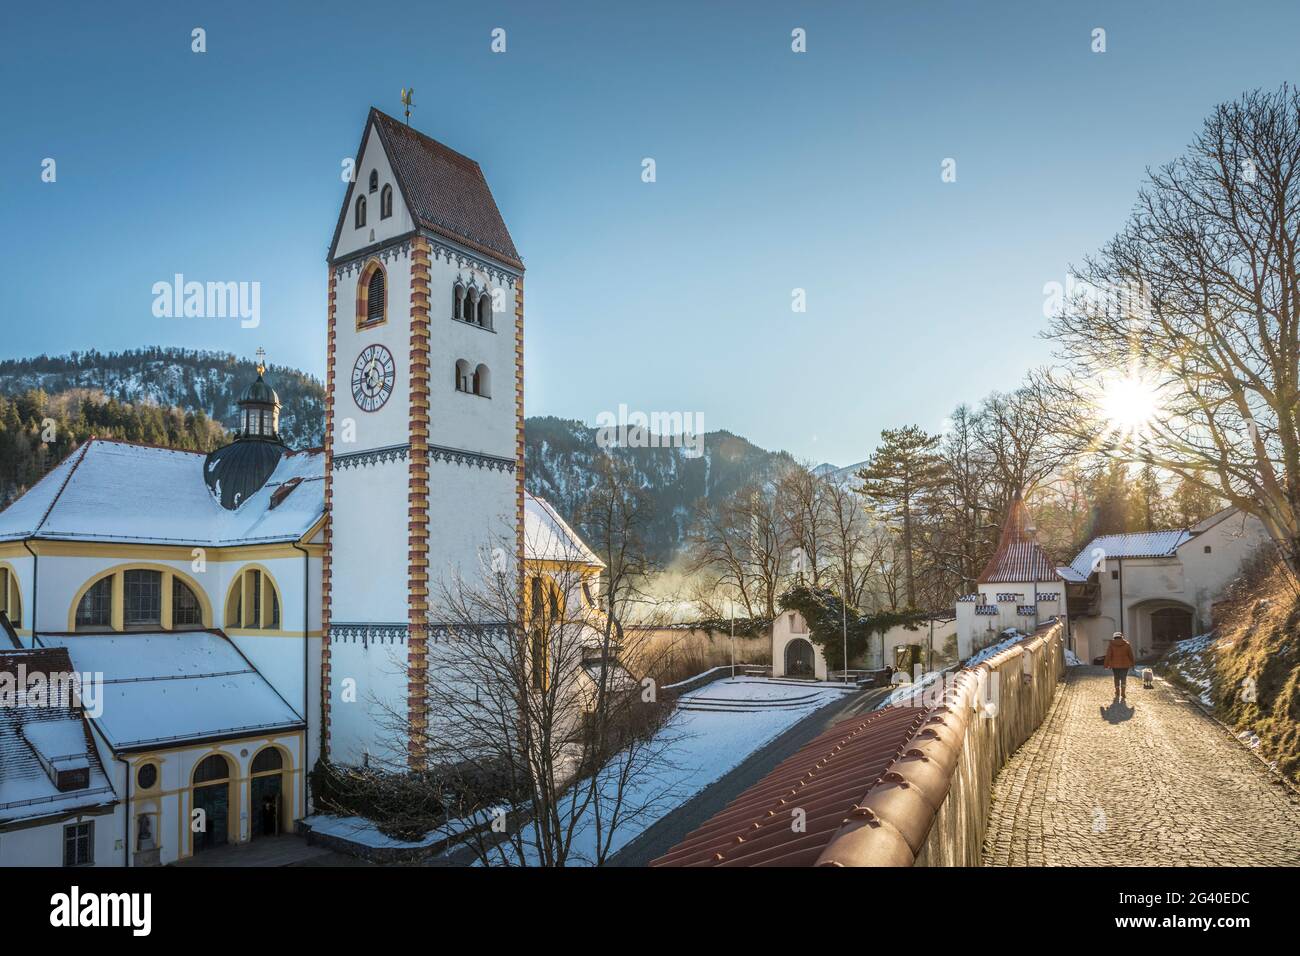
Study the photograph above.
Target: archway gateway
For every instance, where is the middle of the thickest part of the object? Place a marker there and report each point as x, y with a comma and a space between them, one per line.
799, 658
1169, 625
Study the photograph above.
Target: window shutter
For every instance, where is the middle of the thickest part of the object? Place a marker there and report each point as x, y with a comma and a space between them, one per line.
375, 297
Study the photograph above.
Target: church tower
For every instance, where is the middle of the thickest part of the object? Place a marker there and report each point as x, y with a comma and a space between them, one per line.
424, 426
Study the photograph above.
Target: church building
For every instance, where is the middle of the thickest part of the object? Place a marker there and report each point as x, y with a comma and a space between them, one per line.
235, 616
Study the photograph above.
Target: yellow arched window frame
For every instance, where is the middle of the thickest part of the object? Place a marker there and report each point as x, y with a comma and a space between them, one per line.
11, 595
253, 601
364, 317
117, 586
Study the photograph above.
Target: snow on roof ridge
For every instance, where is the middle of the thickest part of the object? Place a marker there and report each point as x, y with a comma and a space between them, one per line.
143, 444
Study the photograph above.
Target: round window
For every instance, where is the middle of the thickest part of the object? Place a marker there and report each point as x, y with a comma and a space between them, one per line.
146, 776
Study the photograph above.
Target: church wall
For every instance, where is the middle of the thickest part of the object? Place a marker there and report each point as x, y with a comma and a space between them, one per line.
356, 430
457, 419
278, 655
368, 567
170, 800
368, 700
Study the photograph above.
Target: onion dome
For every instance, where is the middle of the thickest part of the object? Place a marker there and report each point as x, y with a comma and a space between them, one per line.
237, 471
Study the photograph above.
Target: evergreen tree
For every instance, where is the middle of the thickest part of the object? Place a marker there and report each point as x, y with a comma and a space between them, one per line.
900, 473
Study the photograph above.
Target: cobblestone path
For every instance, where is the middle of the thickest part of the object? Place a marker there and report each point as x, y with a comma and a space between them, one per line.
1156, 783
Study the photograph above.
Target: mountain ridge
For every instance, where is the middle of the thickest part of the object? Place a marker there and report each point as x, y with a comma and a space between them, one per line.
559, 452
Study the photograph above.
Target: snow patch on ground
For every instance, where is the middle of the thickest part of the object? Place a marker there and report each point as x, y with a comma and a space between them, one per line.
1191, 661
362, 831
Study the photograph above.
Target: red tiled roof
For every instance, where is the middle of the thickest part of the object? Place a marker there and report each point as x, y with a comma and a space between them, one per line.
825, 779
445, 190
1019, 557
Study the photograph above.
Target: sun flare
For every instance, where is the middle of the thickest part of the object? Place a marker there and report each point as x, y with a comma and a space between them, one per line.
1128, 405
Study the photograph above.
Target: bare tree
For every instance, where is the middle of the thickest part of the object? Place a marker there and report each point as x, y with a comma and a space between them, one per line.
742, 545
547, 735
802, 502
1194, 307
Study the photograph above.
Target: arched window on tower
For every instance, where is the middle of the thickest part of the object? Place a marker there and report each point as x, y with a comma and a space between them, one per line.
374, 180
457, 295
386, 202
485, 309
464, 378
483, 381
372, 295
469, 304
361, 212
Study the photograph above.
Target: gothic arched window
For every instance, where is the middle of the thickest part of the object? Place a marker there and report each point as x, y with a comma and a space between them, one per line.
457, 295
361, 211
485, 309
464, 381
469, 304
374, 180
386, 202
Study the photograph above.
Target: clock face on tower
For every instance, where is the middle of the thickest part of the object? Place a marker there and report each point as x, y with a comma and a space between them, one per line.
372, 378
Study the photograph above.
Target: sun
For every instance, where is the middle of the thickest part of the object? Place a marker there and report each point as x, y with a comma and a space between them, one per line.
1128, 405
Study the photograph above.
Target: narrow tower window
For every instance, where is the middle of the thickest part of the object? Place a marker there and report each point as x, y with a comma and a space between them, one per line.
361, 211
386, 202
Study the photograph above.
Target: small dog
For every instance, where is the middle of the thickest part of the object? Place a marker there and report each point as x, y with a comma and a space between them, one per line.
1148, 678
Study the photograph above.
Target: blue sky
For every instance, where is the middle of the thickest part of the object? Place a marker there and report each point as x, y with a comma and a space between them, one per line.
775, 171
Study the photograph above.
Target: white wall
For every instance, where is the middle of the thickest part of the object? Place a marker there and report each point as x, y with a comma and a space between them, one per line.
790, 626
43, 845
975, 631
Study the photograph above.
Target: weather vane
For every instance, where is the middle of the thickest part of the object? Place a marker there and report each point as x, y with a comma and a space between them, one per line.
408, 100
261, 360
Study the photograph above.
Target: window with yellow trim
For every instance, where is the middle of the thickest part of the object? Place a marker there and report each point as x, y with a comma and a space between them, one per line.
254, 601
139, 599
95, 612
10, 598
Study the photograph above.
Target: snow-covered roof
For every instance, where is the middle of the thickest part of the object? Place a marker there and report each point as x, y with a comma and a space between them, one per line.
32, 738
1147, 544
118, 491
169, 688
1069, 574
548, 537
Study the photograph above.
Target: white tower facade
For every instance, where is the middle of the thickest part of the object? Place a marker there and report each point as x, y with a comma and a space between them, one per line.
424, 427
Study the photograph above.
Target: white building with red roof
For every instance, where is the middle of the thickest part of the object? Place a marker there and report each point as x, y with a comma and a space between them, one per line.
1018, 588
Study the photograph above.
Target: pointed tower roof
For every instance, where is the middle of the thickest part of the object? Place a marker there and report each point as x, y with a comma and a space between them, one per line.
444, 190
1019, 559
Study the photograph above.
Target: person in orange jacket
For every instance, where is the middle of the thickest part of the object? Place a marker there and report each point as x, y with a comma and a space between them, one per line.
1119, 658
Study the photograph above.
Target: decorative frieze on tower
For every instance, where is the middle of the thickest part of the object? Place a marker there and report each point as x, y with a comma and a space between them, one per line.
425, 427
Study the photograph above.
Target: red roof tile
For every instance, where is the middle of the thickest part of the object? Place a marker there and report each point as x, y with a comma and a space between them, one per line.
825, 779
1019, 557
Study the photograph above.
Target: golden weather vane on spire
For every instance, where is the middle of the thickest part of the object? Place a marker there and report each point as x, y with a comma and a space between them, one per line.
408, 100
261, 360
